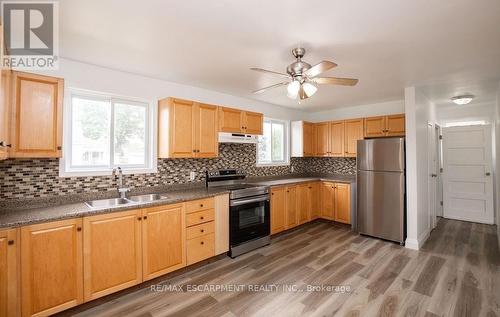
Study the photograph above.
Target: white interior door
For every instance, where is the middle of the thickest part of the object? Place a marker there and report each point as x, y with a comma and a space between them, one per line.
432, 174
467, 179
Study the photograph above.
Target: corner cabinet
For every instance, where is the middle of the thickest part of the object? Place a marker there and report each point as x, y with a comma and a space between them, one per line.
9, 248
36, 115
51, 267
336, 202
187, 129
238, 121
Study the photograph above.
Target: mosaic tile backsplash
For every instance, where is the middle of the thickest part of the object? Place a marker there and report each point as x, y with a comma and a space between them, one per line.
33, 178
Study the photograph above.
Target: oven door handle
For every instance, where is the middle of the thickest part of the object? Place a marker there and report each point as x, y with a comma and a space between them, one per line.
248, 201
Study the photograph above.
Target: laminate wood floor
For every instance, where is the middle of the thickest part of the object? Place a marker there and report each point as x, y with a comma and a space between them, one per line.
457, 273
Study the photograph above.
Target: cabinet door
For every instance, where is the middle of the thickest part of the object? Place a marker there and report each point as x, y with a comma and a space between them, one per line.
395, 125
308, 139
9, 247
291, 206
353, 133
323, 139
231, 120
303, 203
315, 200
163, 240
327, 193
181, 128
342, 203
278, 219
206, 135
51, 267
112, 253
4, 114
337, 138
374, 127
254, 123
36, 124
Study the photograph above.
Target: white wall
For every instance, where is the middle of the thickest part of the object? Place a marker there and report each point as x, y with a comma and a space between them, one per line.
375, 109
471, 112
419, 112
100, 79
497, 162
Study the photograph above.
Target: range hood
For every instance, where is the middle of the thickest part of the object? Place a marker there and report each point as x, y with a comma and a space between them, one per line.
225, 137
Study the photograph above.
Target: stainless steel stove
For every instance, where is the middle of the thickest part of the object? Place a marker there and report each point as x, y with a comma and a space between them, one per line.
249, 210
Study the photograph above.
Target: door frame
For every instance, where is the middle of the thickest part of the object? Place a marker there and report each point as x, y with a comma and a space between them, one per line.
432, 173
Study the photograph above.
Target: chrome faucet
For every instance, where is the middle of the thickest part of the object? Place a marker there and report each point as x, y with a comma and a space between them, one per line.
121, 190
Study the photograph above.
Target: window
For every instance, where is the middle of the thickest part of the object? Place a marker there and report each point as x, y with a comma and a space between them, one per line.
272, 147
103, 132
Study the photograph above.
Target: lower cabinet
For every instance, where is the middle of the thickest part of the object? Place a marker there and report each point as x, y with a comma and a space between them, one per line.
303, 203
278, 218
200, 244
291, 214
342, 203
51, 267
163, 240
9, 248
112, 252
315, 202
327, 194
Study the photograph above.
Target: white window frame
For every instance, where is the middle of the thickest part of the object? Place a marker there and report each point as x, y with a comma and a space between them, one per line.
286, 142
65, 167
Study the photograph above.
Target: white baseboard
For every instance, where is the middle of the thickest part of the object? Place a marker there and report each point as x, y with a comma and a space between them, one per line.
411, 244
416, 244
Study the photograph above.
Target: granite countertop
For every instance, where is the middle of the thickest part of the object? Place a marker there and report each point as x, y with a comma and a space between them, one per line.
15, 217
27, 212
295, 179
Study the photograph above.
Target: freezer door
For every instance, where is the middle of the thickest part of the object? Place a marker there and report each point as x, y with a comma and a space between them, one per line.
381, 204
385, 154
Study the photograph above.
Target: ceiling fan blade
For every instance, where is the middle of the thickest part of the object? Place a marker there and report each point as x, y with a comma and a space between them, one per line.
269, 87
270, 72
336, 81
302, 93
319, 68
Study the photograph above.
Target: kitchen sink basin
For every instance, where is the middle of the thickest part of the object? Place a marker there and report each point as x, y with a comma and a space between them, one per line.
147, 198
108, 203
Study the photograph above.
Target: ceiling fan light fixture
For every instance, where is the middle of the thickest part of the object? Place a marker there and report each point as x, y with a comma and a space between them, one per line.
309, 89
293, 89
462, 100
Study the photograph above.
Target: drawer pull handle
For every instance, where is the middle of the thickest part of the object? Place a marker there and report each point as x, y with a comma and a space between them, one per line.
202, 242
202, 218
202, 230
201, 205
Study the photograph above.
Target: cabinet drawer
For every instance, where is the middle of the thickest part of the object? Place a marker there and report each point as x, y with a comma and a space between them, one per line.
201, 204
200, 248
200, 230
198, 217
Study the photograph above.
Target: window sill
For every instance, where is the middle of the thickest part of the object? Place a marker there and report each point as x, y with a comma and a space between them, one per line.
105, 172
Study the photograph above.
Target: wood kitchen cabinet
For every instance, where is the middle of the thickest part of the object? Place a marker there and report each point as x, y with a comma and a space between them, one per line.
238, 121
9, 249
382, 126
315, 200
342, 203
200, 223
4, 115
337, 130
278, 216
291, 212
353, 133
163, 240
303, 139
322, 139
36, 105
303, 203
112, 252
327, 195
187, 129
51, 267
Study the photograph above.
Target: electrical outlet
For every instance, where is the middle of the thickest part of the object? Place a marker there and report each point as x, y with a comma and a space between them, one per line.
192, 176
291, 169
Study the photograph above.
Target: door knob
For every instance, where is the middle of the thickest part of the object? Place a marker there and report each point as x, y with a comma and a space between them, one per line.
433, 175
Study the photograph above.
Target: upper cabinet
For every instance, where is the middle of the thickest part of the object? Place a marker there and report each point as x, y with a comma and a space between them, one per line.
353, 133
239, 121
337, 135
186, 129
382, 126
303, 139
4, 114
36, 115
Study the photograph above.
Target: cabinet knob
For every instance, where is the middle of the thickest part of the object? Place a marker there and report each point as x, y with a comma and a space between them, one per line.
201, 205
202, 242
202, 230
79, 229
10, 242
139, 218
202, 218
2, 144
145, 217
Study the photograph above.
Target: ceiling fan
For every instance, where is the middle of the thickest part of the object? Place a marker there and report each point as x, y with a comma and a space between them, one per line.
302, 78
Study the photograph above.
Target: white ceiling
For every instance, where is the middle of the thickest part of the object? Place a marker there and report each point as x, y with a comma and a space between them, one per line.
387, 44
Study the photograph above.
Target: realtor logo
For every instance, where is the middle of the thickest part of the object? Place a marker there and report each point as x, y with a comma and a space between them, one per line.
30, 34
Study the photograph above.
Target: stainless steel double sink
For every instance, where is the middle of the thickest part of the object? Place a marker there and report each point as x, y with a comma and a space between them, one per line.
116, 202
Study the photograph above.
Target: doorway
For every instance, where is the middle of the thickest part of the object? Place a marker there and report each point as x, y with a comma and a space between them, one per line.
467, 177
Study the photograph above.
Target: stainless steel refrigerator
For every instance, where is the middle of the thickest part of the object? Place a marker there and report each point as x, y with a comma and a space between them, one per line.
381, 188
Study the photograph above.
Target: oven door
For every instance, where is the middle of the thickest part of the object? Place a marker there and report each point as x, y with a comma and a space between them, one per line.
249, 219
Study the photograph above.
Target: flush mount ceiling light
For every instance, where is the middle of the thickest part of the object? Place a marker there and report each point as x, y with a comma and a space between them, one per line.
302, 79
462, 100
